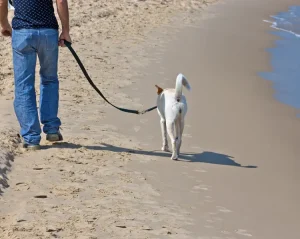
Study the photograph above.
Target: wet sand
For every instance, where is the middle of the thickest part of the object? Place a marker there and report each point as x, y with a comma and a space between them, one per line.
242, 145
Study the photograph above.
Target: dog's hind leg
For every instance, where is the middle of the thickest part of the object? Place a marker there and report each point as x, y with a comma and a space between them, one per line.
164, 135
170, 128
181, 126
179, 131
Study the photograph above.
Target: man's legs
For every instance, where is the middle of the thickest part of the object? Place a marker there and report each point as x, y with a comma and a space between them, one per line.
49, 87
24, 61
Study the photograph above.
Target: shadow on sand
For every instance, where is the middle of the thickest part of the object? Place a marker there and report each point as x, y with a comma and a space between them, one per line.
203, 157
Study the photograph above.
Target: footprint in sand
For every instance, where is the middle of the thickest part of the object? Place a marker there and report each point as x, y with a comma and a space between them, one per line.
143, 121
137, 128
208, 199
198, 188
223, 209
200, 171
243, 232
86, 127
225, 232
187, 136
201, 187
21, 186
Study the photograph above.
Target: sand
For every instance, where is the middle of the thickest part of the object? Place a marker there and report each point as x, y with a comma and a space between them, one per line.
109, 179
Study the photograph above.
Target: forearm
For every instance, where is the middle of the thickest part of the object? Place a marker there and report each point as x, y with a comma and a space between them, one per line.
3, 12
63, 12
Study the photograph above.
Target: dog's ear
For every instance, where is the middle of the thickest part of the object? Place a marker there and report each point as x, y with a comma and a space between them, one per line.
159, 89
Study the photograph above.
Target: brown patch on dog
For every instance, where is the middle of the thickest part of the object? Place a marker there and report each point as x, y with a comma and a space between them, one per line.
159, 89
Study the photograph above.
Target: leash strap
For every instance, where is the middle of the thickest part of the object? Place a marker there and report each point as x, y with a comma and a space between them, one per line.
68, 44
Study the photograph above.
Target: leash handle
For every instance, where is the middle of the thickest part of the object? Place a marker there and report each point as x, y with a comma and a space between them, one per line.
68, 44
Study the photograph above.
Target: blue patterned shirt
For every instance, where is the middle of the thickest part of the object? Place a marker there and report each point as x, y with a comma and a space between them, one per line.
35, 14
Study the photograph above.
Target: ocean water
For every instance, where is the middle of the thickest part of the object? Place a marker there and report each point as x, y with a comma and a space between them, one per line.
285, 56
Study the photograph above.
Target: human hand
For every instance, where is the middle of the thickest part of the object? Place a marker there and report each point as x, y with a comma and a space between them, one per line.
6, 30
64, 36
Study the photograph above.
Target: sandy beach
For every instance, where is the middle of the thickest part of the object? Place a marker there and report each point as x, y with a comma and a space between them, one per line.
238, 175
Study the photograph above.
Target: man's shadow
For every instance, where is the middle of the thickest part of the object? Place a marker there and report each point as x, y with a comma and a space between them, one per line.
203, 157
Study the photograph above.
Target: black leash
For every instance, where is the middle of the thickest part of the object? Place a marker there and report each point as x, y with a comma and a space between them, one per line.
68, 44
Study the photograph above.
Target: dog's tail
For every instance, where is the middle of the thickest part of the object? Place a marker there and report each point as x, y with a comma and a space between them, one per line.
180, 82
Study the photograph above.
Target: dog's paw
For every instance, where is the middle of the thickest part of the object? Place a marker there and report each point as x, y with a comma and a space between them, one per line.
165, 149
174, 157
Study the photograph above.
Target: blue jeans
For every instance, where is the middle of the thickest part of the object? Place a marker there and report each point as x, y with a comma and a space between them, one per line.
28, 44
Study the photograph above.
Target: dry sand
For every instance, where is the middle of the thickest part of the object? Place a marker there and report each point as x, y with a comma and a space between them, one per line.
106, 182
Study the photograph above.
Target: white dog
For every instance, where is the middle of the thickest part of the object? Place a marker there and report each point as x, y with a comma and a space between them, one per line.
172, 108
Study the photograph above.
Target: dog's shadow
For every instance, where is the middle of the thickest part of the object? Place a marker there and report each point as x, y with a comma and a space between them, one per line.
203, 157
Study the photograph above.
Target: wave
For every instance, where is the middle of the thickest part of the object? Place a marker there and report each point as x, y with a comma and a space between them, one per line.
287, 21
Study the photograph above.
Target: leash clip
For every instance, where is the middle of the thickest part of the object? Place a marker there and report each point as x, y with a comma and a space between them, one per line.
142, 112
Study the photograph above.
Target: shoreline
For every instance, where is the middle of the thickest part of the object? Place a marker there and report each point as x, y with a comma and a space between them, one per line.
284, 72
